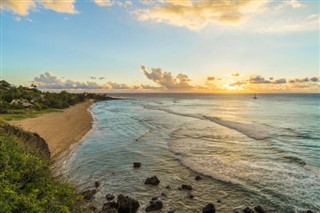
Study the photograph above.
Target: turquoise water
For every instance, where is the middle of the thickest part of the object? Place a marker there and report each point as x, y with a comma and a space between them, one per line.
249, 152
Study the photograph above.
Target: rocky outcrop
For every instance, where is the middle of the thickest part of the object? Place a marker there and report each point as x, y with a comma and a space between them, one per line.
152, 181
127, 204
209, 208
89, 194
248, 210
136, 164
186, 187
259, 209
155, 204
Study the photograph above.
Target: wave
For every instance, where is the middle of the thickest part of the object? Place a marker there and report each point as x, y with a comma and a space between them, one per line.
251, 130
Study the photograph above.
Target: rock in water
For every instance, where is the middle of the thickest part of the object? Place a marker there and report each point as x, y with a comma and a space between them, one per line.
248, 210
259, 209
186, 187
127, 204
88, 194
136, 164
209, 208
152, 181
154, 205
198, 177
96, 184
110, 207
110, 197
309, 211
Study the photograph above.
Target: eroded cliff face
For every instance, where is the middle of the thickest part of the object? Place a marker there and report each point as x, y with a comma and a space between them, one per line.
33, 139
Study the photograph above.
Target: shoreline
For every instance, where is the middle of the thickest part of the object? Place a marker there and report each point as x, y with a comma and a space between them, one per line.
60, 130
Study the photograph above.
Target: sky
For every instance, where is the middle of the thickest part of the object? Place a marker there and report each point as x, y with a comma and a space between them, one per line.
222, 46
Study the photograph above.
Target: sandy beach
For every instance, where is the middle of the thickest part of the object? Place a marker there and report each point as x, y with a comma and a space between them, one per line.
60, 129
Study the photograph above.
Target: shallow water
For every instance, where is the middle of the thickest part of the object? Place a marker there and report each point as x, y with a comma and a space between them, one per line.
249, 152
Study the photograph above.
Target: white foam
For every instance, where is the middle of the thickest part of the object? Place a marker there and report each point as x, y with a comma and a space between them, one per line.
252, 130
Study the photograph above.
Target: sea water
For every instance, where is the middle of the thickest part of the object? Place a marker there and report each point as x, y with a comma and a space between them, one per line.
249, 152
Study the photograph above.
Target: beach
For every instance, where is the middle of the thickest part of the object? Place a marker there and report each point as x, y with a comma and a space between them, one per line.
60, 129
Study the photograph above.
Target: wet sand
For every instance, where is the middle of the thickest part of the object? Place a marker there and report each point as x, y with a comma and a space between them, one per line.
60, 129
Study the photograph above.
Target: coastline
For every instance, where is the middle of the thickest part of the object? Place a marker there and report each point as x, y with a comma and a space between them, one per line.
60, 130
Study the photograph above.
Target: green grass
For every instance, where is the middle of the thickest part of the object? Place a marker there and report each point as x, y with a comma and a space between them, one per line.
26, 182
22, 114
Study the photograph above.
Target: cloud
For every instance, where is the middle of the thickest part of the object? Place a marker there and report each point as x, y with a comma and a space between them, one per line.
18, 7
296, 24
280, 81
198, 14
101, 78
290, 3
114, 85
258, 80
314, 79
238, 83
49, 80
23, 7
93, 78
167, 80
235, 74
17, 18
104, 3
210, 78
60, 6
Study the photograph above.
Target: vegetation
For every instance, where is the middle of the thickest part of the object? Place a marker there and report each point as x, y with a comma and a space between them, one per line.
22, 102
26, 183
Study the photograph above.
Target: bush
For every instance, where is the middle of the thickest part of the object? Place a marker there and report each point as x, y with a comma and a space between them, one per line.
26, 183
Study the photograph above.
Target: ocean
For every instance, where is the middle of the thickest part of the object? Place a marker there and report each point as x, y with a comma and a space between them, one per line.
249, 152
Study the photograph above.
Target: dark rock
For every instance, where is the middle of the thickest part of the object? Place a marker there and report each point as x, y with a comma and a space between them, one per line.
164, 195
152, 181
154, 198
259, 209
198, 177
309, 211
209, 208
110, 197
96, 184
219, 201
154, 205
136, 164
248, 210
186, 187
171, 211
190, 196
127, 204
92, 208
89, 194
168, 187
112, 205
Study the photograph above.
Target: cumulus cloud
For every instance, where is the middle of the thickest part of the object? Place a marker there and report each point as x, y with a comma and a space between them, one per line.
198, 14
210, 78
314, 79
280, 81
235, 74
59, 6
49, 80
238, 83
166, 79
104, 3
23, 7
258, 80
114, 85
18, 7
